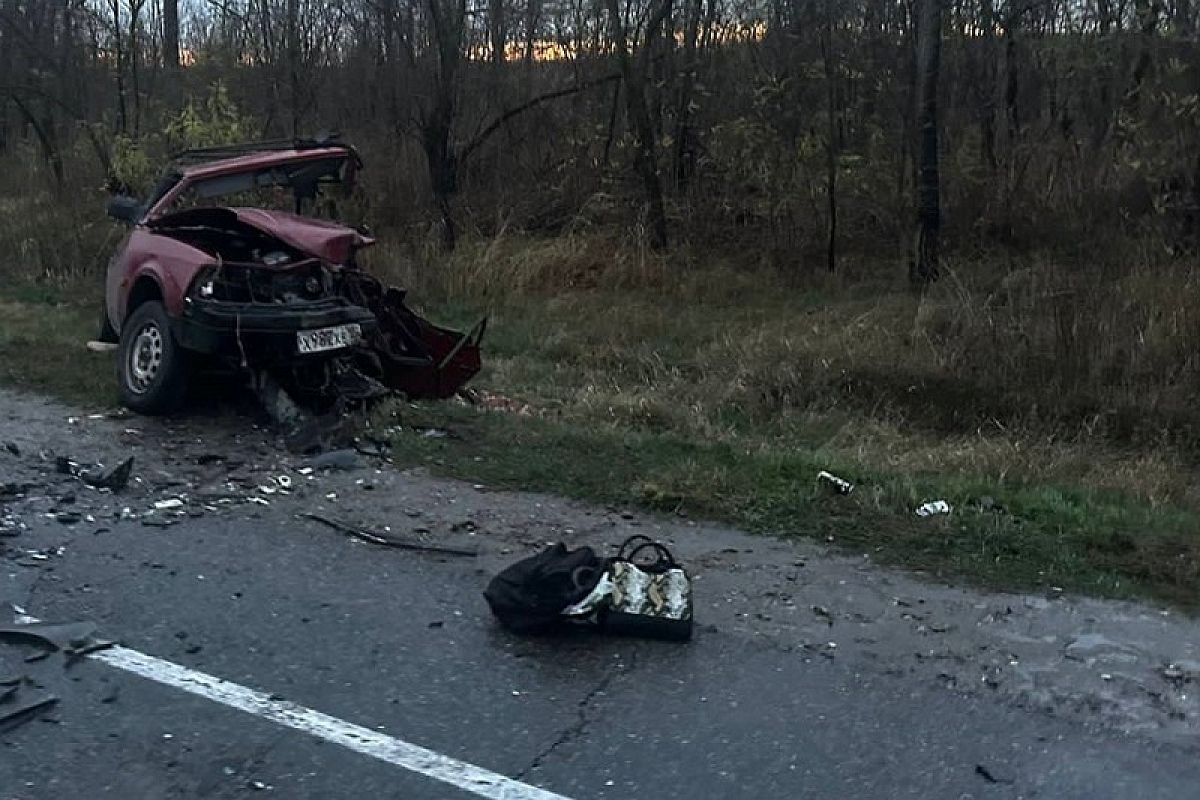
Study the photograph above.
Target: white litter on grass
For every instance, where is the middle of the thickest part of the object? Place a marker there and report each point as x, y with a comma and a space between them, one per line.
839, 485
164, 505
933, 509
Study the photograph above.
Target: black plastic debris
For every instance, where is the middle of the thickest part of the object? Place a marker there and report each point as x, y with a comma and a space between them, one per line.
991, 775
12, 448
16, 711
74, 639
52, 636
372, 447
345, 460
389, 541
114, 478
347, 382
68, 517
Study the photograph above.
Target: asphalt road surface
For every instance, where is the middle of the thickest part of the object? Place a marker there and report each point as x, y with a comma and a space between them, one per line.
858, 699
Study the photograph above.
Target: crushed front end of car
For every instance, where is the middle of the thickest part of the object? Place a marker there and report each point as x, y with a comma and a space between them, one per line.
325, 334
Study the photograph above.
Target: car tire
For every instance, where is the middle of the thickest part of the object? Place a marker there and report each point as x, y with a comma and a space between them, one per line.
152, 368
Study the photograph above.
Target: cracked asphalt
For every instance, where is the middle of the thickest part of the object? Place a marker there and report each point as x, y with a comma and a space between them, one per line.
895, 688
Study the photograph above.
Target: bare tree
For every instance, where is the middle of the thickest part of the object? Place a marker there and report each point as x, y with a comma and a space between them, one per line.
446, 24
925, 264
633, 76
292, 35
170, 44
831, 139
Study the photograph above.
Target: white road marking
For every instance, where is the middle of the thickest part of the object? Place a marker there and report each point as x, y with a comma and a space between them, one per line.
468, 777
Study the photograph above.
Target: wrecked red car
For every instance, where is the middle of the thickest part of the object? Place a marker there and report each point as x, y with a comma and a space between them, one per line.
215, 270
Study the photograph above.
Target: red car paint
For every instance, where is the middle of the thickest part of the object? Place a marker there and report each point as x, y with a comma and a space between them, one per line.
172, 265
325, 240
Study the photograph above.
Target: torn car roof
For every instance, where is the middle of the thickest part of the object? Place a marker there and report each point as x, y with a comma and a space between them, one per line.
258, 160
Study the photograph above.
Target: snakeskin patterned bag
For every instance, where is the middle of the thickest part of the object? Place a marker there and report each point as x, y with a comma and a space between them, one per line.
650, 594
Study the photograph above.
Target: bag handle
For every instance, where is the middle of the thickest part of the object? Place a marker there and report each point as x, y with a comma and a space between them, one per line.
584, 578
641, 538
665, 559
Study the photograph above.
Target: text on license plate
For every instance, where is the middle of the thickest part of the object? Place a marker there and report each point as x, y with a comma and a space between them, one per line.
334, 338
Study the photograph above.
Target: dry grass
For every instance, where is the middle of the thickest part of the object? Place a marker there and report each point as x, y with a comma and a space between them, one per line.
1037, 373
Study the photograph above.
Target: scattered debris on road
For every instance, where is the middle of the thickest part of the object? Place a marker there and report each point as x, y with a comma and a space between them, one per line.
388, 541
991, 775
15, 711
72, 638
1181, 672
343, 460
114, 478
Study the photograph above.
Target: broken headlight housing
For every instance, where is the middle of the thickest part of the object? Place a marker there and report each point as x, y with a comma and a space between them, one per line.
307, 281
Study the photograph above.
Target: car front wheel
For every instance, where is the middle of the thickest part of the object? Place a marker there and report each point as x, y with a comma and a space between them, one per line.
152, 368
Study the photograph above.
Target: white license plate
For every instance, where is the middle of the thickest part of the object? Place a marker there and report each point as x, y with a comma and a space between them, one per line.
323, 339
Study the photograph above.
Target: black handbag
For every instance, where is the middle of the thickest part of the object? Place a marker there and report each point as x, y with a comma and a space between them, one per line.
530, 595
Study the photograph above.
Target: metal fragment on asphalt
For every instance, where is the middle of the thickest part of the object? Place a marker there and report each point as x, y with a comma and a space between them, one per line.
114, 478
17, 713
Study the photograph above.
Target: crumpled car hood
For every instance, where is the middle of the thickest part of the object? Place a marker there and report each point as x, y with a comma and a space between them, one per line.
317, 237
321, 238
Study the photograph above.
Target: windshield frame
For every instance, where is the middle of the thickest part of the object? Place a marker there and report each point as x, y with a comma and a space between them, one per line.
283, 170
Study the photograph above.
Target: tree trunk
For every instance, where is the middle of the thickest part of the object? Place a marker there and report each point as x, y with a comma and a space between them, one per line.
925, 265
498, 33
1012, 77
119, 59
684, 151
437, 127
135, 60
45, 137
1185, 25
533, 15
1146, 13
831, 143
443, 168
987, 92
293, 64
170, 45
645, 160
